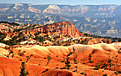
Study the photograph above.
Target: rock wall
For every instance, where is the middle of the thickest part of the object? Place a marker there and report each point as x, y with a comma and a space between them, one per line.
65, 28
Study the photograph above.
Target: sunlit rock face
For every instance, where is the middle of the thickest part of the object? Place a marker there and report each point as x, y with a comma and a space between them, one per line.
52, 9
65, 28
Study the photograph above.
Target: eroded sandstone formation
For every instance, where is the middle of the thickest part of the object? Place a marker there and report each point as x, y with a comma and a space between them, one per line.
65, 28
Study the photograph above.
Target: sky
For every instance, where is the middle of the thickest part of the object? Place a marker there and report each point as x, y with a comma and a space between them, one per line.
64, 2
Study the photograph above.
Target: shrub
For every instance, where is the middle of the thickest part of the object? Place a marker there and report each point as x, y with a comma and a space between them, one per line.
82, 73
75, 61
28, 57
97, 67
48, 58
105, 75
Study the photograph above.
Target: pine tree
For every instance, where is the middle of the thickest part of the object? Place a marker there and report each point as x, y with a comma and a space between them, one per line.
90, 58
23, 71
67, 62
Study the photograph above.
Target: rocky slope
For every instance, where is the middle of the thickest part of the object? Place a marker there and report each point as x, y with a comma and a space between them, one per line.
65, 28
56, 49
37, 59
61, 33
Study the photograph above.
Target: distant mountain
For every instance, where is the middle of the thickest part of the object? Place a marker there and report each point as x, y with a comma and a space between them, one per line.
77, 10
97, 19
117, 11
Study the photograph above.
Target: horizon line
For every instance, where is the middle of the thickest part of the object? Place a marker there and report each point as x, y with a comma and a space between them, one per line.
61, 4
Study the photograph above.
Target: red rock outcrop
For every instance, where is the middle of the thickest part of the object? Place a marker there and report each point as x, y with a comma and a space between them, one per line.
65, 28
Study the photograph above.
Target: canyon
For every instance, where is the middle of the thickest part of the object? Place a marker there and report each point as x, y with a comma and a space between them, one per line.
56, 49
87, 18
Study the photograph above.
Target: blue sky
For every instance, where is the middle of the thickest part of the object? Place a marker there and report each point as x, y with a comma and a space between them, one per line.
64, 2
